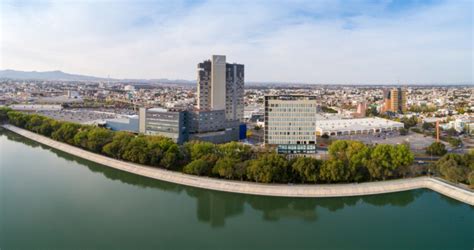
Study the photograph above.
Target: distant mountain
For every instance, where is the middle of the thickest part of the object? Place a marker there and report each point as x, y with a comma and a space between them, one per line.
46, 75
62, 76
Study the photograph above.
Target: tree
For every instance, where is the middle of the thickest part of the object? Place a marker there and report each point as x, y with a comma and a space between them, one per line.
199, 149
454, 167
117, 146
305, 169
226, 168
403, 131
4, 114
334, 170
97, 138
436, 148
137, 151
381, 164
235, 150
66, 132
427, 126
471, 179
268, 168
171, 157
409, 122
80, 139
451, 132
354, 155
402, 158
197, 167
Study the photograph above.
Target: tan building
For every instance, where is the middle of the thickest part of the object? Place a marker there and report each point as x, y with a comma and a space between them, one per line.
290, 123
395, 100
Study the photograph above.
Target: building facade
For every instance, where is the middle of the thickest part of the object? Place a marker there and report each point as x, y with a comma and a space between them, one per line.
395, 100
220, 86
167, 123
290, 123
360, 126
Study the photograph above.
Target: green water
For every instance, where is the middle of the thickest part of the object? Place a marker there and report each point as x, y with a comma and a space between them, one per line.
51, 200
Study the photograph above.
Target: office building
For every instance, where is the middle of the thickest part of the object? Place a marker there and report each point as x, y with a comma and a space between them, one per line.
169, 123
290, 123
220, 86
395, 100
188, 125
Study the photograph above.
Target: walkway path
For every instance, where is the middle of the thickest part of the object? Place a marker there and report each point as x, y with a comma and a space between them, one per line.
313, 190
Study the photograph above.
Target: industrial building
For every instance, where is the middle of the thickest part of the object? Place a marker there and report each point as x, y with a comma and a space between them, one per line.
340, 127
290, 123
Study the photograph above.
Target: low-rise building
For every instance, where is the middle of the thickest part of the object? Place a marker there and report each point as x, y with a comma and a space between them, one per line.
339, 127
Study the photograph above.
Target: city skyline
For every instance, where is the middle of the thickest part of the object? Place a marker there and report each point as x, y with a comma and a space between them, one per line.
308, 42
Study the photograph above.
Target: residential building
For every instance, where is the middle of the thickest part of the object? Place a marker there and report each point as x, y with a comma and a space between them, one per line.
290, 123
395, 100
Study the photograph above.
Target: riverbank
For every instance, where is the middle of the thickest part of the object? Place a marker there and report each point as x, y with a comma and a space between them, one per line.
314, 190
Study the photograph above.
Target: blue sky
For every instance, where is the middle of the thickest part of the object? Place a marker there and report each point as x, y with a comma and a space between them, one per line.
318, 41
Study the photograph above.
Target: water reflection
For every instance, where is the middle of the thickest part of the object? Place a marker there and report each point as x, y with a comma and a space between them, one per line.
216, 207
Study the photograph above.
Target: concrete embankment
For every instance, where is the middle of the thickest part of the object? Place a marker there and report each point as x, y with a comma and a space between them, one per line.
314, 190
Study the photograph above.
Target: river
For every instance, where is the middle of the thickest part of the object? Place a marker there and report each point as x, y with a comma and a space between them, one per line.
49, 199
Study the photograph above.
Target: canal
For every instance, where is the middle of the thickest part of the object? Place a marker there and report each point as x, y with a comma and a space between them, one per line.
49, 199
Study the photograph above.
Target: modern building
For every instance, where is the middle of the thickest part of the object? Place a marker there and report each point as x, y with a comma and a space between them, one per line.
219, 111
342, 127
187, 125
395, 100
169, 123
290, 123
220, 86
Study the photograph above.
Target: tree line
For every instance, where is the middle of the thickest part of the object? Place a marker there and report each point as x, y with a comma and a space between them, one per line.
348, 161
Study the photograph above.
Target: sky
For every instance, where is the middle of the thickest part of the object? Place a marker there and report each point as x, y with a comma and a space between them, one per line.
316, 41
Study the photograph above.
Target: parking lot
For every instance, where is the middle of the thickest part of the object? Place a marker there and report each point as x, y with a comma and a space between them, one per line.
79, 115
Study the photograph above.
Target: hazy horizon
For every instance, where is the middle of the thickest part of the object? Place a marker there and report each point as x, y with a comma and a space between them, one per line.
339, 42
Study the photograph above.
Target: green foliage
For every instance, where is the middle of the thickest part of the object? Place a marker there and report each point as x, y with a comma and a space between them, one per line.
436, 148
230, 168
66, 132
198, 167
97, 138
409, 122
171, 157
455, 168
4, 114
268, 168
137, 150
403, 131
117, 147
305, 169
334, 170
389, 161
427, 126
327, 109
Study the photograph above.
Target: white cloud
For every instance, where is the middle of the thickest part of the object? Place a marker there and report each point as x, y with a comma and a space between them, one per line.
315, 41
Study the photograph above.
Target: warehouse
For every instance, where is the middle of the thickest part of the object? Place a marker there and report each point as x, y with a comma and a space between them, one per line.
338, 127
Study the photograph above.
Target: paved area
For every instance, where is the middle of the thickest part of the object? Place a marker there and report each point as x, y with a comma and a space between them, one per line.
325, 190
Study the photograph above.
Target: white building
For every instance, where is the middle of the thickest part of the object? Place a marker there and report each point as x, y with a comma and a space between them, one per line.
339, 127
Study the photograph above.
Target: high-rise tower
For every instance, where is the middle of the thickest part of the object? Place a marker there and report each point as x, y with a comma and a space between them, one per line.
220, 86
